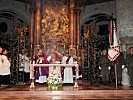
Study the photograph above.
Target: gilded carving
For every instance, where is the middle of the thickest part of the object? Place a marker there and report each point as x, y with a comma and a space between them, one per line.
55, 25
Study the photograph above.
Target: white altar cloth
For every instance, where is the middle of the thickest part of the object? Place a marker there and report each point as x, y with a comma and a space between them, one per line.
51, 65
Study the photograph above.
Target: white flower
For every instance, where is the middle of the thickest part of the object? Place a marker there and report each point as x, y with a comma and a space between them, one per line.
54, 78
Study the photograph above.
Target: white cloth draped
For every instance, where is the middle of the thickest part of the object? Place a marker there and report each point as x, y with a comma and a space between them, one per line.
125, 77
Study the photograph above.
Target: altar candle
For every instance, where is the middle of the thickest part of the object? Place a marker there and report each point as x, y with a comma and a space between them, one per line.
33, 62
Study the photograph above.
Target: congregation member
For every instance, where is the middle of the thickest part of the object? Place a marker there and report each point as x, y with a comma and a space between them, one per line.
129, 65
68, 72
4, 67
41, 73
104, 65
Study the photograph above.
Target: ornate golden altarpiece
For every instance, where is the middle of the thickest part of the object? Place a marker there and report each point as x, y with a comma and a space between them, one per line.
55, 26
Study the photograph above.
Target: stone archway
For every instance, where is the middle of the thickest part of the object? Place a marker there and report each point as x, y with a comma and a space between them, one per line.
15, 39
94, 40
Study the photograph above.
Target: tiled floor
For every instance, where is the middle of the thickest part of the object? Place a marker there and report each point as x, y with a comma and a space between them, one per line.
67, 92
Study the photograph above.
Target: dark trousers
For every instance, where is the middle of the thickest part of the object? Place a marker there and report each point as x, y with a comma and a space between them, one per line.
26, 77
5, 79
130, 73
105, 74
119, 74
0, 79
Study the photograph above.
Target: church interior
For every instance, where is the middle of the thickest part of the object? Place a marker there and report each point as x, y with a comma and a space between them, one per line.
64, 41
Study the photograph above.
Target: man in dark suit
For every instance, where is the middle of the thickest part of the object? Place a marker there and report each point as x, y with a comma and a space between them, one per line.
104, 64
129, 64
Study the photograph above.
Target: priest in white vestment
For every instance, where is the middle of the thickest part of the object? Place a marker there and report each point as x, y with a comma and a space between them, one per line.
68, 73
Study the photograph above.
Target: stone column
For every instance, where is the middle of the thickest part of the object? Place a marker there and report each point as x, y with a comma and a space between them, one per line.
124, 12
72, 46
38, 23
78, 32
78, 27
32, 28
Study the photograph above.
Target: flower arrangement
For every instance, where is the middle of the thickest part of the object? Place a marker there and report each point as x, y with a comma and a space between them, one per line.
54, 80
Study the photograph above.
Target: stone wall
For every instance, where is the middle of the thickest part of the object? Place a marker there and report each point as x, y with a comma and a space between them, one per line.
106, 8
122, 10
124, 15
18, 7
19, 13
100, 8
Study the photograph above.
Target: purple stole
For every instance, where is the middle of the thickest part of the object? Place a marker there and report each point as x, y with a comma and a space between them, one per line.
68, 59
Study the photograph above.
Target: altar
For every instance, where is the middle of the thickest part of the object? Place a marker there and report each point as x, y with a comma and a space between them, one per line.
32, 66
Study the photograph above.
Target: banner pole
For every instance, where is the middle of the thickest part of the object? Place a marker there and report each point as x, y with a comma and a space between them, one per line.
116, 77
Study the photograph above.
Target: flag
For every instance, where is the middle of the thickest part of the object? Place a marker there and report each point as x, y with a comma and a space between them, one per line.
113, 51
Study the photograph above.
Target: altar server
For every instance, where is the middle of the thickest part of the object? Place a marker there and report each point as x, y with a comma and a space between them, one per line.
5, 68
25, 62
